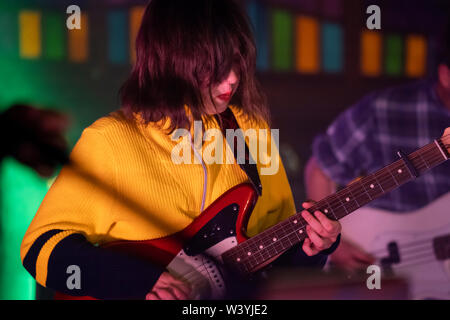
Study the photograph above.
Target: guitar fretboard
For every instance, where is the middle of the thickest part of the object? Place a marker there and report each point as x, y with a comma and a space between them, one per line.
251, 254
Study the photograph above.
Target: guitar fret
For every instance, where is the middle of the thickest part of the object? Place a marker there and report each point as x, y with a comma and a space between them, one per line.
425, 162
388, 181
393, 177
371, 181
396, 172
437, 157
363, 197
441, 150
300, 236
288, 226
252, 262
354, 197
267, 249
293, 238
329, 208
276, 246
378, 183
351, 205
418, 163
264, 253
365, 190
258, 259
291, 242
252, 249
343, 205
285, 243
262, 240
404, 175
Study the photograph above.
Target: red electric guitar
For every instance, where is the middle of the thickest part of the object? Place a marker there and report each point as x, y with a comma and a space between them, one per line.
214, 244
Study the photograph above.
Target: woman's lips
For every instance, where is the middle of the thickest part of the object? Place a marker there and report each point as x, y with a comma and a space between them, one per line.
225, 97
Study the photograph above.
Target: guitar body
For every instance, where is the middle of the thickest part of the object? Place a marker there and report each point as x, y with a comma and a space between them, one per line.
404, 243
194, 253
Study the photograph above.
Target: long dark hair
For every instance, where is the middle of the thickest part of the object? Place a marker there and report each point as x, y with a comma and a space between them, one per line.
183, 46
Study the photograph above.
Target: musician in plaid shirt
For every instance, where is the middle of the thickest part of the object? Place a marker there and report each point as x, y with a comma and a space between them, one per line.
367, 137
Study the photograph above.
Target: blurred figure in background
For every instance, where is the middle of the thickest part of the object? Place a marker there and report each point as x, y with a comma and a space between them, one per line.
367, 137
34, 137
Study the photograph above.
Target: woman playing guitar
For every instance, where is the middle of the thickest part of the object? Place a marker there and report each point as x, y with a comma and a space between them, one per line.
195, 62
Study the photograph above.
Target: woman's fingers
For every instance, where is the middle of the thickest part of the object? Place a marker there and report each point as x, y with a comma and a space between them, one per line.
332, 227
178, 293
166, 294
322, 231
322, 224
169, 288
307, 204
152, 296
307, 247
317, 241
181, 291
314, 223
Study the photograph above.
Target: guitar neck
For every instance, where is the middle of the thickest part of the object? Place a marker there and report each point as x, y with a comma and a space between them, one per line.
250, 255
383, 181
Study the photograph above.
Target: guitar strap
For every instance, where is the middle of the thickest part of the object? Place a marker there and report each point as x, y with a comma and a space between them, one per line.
227, 120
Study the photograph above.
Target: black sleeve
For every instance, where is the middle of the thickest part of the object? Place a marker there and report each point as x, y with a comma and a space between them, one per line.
296, 257
104, 274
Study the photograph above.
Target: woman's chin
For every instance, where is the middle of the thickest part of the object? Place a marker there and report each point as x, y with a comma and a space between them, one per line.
222, 108
218, 108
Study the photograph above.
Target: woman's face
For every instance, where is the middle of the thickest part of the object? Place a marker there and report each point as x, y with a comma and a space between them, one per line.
217, 101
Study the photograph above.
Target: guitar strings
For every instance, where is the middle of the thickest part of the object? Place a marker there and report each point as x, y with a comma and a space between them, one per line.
406, 256
202, 268
431, 260
423, 255
408, 263
409, 245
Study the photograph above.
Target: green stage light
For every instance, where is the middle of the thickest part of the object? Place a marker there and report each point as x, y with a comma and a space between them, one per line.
22, 192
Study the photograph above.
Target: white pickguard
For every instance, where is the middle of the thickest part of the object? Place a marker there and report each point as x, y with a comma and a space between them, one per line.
373, 229
205, 277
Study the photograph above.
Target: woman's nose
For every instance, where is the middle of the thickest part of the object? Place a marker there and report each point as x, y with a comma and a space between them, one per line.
231, 81
232, 78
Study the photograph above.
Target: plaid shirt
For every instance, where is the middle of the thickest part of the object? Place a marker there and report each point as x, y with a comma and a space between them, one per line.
367, 137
